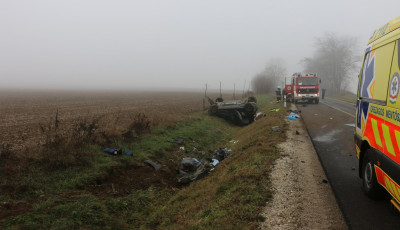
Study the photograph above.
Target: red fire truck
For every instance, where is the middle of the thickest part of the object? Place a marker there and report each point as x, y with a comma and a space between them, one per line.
302, 88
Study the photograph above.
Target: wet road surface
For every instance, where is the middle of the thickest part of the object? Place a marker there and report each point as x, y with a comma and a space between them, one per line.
331, 127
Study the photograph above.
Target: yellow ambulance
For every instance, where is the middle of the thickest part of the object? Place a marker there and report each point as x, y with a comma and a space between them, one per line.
377, 132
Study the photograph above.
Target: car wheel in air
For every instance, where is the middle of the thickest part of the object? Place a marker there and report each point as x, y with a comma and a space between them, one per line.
219, 99
213, 110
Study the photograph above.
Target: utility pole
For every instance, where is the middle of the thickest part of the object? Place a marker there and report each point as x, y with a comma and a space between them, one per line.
234, 91
204, 99
244, 86
220, 93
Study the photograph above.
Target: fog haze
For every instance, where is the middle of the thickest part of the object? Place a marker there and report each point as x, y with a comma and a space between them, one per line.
99, 44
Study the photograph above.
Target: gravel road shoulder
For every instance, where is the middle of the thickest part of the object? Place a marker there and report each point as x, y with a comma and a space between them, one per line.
303, 198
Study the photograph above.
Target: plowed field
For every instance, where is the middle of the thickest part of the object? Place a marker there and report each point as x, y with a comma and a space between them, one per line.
22, 112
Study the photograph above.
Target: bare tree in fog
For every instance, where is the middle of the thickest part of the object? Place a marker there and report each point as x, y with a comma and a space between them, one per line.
334, 61
270, 78
261, 83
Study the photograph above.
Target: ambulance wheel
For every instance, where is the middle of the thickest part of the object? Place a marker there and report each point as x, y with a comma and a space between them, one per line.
370, 184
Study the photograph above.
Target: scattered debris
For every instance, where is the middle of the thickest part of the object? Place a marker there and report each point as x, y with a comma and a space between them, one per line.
274, 110
259, 115
234, 141
221, 154
294, 115
214, 162
303, 162
294, 111
153, 164
113, 151
330, 118
195, 150
182, 148
192, 169
188, 165
276, 129
353, 168
324, 181
297, 132
179, 141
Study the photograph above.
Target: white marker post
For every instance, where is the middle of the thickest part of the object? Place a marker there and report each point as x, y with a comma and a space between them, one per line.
284, 101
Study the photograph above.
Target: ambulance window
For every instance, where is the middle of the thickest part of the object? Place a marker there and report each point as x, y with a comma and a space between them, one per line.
394, 81
375, 73
398, 53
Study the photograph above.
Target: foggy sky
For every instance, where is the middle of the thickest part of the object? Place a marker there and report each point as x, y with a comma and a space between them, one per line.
171, 44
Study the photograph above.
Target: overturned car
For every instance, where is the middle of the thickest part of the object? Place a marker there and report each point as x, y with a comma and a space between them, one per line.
240, 112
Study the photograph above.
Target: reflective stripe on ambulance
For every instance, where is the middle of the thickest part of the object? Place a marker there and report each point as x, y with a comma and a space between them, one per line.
383, 136
388, 183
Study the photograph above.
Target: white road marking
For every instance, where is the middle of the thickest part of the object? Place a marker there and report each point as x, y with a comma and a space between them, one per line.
341, 101
333, 107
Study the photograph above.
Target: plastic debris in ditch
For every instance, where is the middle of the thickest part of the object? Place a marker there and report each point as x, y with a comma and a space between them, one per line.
179, 140
234, 141
258, 116
221, 154
214, 162
153, 164
188, 165
195, 150
113, 151
276, 129
193, 169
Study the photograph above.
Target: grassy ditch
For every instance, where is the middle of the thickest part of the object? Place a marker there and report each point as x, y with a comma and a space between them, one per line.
345, 96
121, 192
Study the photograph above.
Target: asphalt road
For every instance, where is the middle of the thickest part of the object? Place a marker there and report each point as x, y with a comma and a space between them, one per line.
331, 127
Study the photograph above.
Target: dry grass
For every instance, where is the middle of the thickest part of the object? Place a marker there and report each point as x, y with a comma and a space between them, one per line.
23, 112
234, 195
230, 198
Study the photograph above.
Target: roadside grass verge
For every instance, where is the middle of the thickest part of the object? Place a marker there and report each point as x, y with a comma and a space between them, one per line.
236, 192
345, 96
230, 197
